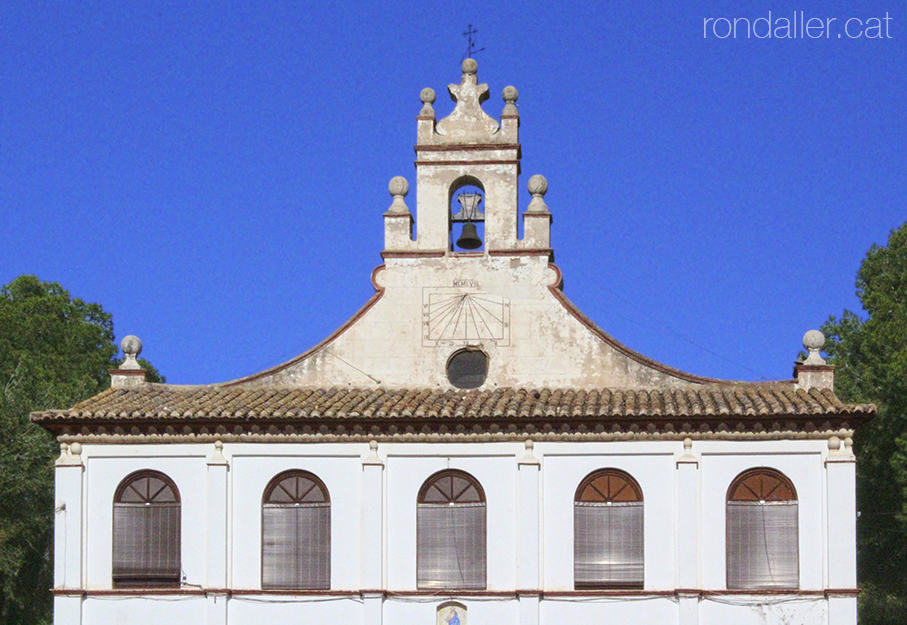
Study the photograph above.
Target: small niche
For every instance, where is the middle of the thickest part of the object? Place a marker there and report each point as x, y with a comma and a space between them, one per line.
451, 613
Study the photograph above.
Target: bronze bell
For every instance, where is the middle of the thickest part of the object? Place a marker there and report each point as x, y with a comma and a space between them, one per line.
469, 238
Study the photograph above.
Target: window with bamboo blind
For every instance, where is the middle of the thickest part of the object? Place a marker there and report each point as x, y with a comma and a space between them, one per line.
146, 531
296, 532
608, 531
762, 536
450, 532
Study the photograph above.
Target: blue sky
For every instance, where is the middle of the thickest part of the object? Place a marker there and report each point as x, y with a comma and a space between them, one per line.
214, 175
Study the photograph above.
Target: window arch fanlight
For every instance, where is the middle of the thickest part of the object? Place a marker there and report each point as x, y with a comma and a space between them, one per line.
762, 536
296, 532
450, 532
608, 531
146, 531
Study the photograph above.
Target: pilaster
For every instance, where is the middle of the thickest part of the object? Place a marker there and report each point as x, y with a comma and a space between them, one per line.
217, 545
68, 517
68, 532
688, 608
842, 609
68, 610
372, 608
529, 609
216, 608
840, 482
528, 535
371, 556
687, 537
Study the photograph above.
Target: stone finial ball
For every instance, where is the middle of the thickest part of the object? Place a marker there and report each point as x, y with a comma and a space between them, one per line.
538, 185
75, 448
427, 95
510, 93
131, 345
398, 186
470, 66
813, 340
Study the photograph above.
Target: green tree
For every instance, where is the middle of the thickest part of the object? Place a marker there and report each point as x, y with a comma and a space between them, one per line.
54, 352
871, 358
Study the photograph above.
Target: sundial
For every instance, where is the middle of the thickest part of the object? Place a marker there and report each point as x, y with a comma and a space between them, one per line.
454, 316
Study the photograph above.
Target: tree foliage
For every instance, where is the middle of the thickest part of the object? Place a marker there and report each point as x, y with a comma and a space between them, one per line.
54, 352
871, 358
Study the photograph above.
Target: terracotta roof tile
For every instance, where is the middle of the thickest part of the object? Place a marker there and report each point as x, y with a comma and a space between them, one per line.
168, 402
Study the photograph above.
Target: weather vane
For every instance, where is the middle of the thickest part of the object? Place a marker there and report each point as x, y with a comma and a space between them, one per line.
471, 49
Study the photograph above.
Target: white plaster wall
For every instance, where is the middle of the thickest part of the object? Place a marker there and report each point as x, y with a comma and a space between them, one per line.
422, 611
565, 466
802, 462
106, 466
277, 610
252, 610
407, 469
639, 611
545, 344
254, 465
143, 611
408, 465
433, 183
743, 610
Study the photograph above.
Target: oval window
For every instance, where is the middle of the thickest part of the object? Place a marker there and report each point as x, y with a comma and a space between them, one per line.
467, 368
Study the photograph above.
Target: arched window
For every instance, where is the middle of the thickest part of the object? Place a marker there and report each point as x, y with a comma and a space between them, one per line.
762, 531
296, 532
146, 531
450, 532
608, 531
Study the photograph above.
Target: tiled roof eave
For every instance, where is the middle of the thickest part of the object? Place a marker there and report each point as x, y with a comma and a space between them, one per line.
156, 410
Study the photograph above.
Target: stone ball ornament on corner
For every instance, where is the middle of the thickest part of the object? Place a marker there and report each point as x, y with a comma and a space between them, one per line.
398, 186
538, 185
427, 95
132, 347
814, 341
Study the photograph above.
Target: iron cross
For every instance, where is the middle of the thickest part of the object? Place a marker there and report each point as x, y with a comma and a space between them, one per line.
470, 42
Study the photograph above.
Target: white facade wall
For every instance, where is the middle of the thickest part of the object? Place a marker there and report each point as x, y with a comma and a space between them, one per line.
373, 533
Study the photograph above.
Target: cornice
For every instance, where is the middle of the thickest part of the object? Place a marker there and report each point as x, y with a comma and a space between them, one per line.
421, 430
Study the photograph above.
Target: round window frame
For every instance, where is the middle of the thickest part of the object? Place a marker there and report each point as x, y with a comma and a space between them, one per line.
466, 350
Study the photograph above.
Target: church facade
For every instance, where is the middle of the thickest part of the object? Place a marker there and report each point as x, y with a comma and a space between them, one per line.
468, 448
